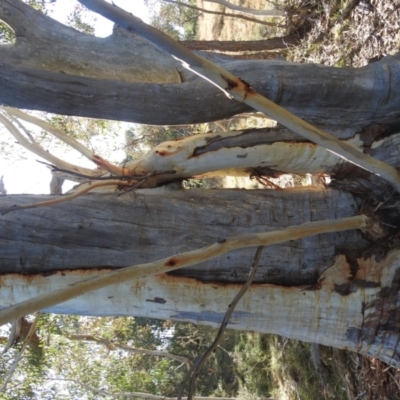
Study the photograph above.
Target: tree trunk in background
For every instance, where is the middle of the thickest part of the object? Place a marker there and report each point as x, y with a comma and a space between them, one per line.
242, 45
247, 10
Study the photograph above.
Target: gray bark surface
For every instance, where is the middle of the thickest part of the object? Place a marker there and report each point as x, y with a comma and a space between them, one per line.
109, 231
59, 77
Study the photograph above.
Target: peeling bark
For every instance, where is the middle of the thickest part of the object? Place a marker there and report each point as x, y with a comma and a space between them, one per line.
321, 313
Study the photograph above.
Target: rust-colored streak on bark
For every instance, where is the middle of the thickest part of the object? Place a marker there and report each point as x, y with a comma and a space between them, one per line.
240, 86
165, 153
174, 280
231, 83
384, 317
172, 262
29, 278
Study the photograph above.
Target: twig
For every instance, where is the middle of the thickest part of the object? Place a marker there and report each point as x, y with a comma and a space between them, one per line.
241, 91
104, 178
198, 365
258, 21
58, 133
347, 11
177, 261
111, 345
14, 365
38, 150
62, 199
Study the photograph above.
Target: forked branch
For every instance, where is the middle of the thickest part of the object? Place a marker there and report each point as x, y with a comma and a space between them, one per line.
111, 345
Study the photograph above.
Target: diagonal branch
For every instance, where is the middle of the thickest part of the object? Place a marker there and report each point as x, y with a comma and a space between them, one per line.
62, 199
38, 150
195, 369
241, 91
182, 260
58, 133
14, 365
135, 395
111, 345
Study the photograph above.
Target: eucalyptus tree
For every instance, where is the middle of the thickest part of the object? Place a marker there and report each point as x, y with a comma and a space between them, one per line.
336, 288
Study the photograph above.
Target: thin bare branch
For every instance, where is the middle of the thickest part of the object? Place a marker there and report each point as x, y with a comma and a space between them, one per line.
274, 43
239, 90
181, 260
111, 345
62, 199
141, 395
14, 365
258, 21
198, 365
58, 133
38, 150
247, 10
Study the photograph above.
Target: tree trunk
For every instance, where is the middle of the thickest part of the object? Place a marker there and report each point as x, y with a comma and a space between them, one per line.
331, 289
48, 69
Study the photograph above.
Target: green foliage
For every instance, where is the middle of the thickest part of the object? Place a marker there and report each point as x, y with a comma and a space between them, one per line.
217, 378
77, 20
175, 20
252, 357
39, 5
144, 137
7, 35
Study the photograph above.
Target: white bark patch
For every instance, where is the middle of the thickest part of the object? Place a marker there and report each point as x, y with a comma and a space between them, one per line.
314, 314
288, 157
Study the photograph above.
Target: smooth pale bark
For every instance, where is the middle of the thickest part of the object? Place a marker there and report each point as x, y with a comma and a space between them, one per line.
64, 76
268, 152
